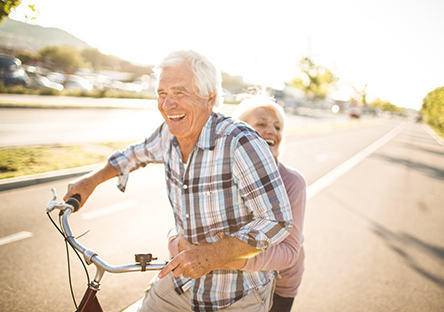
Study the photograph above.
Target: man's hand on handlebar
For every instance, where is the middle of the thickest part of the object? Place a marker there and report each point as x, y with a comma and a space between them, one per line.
81, 186
84, 186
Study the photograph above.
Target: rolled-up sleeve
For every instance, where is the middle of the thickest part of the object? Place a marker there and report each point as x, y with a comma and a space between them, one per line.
263, 193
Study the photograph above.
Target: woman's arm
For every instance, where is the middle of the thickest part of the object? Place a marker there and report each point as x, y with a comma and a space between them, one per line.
286, 253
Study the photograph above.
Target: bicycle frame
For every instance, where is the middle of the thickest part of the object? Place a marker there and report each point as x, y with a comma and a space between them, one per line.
89, 301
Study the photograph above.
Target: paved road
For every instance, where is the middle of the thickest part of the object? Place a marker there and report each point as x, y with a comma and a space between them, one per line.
102, 120
373, 227
374, 236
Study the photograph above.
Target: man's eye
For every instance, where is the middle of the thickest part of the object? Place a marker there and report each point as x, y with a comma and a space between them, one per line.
278, 128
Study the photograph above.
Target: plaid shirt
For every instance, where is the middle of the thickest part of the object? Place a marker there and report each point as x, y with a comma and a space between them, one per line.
230, 184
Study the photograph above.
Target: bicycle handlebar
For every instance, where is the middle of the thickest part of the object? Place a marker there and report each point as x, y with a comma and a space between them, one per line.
90, 256
74, 201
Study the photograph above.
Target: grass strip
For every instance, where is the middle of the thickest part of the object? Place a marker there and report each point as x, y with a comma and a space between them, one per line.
16, 162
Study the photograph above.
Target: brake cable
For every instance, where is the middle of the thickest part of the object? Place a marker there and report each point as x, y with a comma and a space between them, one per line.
67, 242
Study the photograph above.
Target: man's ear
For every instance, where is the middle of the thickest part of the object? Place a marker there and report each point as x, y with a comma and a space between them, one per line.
211, 100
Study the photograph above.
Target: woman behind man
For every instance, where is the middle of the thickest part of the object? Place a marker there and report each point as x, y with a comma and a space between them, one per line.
267, 118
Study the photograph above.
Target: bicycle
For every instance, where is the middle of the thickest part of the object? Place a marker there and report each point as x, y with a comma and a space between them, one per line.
90, 302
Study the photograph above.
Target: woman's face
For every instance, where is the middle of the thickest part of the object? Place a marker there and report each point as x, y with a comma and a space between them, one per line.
269, 127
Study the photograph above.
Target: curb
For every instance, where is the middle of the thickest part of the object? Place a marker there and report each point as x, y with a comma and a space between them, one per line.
13, 183
433, 134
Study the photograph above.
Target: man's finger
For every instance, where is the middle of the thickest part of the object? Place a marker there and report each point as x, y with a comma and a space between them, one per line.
169, 267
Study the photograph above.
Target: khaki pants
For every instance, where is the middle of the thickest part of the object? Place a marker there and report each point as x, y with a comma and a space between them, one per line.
161, 296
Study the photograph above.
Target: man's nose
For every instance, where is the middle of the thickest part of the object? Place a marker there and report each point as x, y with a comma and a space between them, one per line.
168, 103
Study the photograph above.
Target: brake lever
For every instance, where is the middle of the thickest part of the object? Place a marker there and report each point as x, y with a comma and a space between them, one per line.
52, 204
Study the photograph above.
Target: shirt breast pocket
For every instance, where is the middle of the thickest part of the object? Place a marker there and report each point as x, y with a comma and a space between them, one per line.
220, 210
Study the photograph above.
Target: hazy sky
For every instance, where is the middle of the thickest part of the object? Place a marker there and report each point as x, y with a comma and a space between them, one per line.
396, 47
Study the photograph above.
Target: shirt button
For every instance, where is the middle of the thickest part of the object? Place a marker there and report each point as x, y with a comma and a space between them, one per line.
185, 186
187, 216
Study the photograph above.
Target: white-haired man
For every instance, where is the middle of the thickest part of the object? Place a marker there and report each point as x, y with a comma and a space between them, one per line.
221, 178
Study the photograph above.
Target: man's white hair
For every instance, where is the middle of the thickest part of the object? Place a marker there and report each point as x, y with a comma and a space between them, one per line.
207, 78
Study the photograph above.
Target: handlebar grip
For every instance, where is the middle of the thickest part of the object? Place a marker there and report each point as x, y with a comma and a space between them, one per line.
74, 201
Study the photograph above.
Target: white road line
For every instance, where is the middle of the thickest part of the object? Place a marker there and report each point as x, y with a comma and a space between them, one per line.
109, 210
339, 171
15, 237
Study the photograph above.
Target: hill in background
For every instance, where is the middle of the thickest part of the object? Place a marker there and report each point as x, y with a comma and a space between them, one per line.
21, 38
15, 35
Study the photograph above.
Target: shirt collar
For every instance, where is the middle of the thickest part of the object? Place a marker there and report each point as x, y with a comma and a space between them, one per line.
207, 137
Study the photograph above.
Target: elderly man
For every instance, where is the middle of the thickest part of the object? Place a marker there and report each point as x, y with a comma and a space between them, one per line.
224, 187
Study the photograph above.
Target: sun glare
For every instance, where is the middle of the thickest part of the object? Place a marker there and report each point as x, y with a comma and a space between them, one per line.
263, 43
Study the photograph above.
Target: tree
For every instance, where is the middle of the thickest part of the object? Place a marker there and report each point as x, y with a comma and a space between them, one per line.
6, 6
385, 106
93, 57
360, 95
97, 60
316, 81
433, 108
33, 11
63, 58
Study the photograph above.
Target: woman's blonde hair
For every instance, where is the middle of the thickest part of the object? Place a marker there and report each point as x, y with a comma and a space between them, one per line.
258, 99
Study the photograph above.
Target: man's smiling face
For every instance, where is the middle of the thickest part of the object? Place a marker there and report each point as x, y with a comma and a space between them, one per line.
184, 111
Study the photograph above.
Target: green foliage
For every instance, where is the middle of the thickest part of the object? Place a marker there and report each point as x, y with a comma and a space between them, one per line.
6, 6
28, 57
359, 96
34, 12
12, 89
385, 106
44, 91
99, 61
96, 60
433, 109
3, 89
69, 59
62, 57
316, 81
24, 161
17, 162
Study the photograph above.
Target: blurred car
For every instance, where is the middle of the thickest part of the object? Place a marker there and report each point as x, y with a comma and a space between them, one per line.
355, 112
418, 118
11, 71
73, 82
43, 82
56, 77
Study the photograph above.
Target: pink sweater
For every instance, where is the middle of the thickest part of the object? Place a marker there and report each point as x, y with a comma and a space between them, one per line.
288, 256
